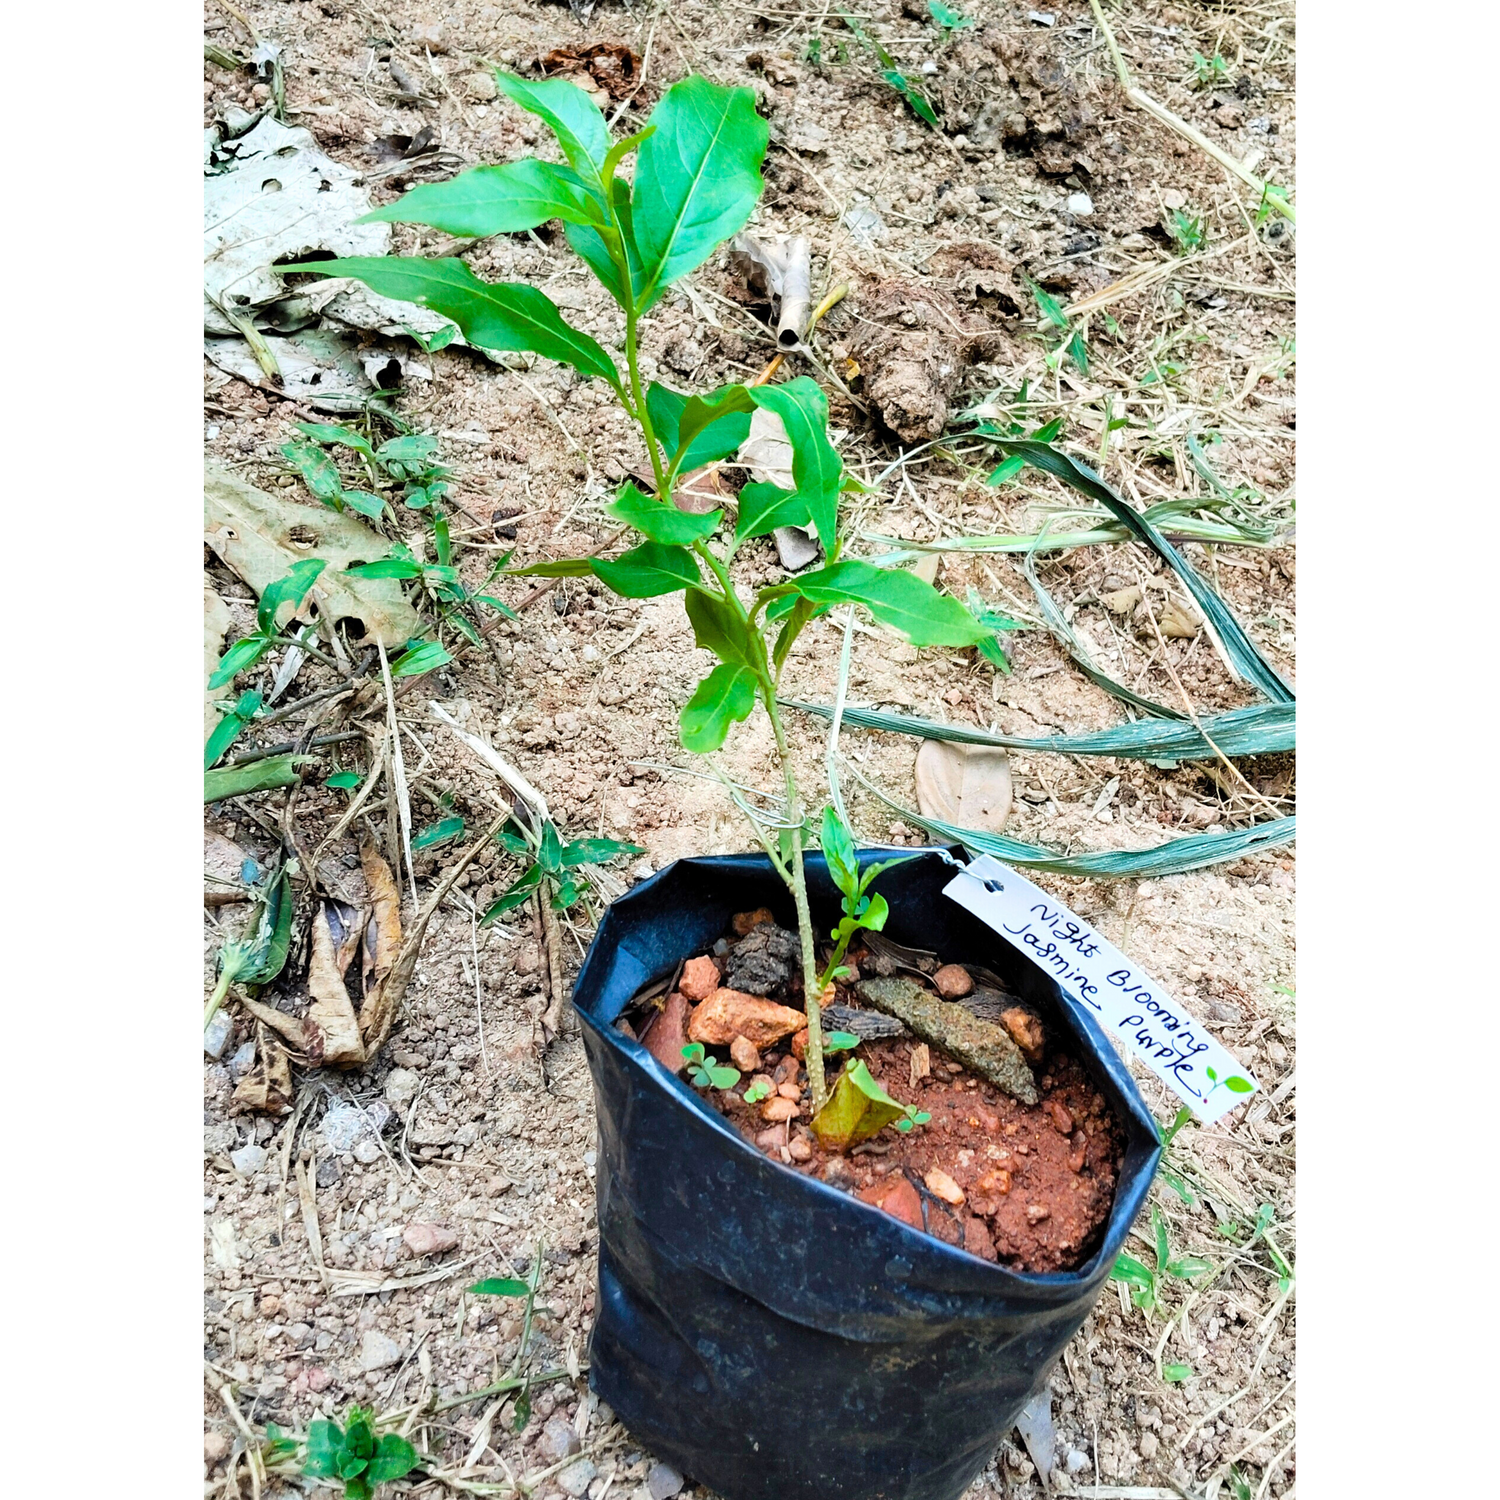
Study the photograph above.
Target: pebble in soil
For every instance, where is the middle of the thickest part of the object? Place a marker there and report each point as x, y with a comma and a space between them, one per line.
1029, 1185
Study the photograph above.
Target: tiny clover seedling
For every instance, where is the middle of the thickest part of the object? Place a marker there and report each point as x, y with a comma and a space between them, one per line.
705, 1073
353, 1454
697, 177
758, 1090
550, 862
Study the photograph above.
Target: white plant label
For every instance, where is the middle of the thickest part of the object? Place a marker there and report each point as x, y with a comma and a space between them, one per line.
1125, 1000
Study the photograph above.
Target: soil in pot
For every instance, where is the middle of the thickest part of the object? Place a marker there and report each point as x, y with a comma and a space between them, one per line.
1027, 1183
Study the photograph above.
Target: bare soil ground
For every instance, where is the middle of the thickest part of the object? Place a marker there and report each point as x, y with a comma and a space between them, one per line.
492, 1134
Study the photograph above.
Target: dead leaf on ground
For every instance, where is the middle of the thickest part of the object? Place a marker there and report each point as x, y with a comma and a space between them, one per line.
780, 267
382, 940
967, 785
703, 490
267, 1087
608, 68
332, 1011
260, 535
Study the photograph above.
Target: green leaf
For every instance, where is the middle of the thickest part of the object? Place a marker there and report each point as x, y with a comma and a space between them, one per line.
949, 20
351, 1467
1185, 1267
620, 150
424, 658
359, 1437
230, 727
720, 628
874, 916
253, 776
1051, 308
588, 244
365, 503
1159, 1231
343, 779
843, 859
324, 1440
817, 468
319, 472
436, 833
721, 1076
1007, 471
387, 567
549, 852
660, 521
647, 571
410, 455
711, 427
693, 1052
802, 611
1175, 1374
757, 1091
239, 657
912, 94
595, 851
507, 316
512, 898
1128, 1269
290, 589
764, 507
696, 179
500, 1286
840, 1041
514, 842
896, 598
1261, 729
724, 697
504, 199
334, 432
394, 1457
571, 116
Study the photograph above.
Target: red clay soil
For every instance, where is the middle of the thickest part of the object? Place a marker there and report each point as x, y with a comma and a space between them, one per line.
1029, 1186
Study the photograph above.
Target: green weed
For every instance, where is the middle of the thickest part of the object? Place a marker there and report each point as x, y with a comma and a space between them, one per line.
551, 863
353, 1456
1144, 1282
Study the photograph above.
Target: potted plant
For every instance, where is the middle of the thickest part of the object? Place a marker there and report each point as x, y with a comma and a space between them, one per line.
764, 1331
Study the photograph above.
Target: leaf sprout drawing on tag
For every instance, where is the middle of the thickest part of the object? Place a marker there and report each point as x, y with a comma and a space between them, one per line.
1234, 1083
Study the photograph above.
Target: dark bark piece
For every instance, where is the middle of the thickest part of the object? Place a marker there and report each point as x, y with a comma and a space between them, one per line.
867, 1025
984, 1048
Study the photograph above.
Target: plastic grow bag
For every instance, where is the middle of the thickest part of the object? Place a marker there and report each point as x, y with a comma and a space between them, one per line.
767, 1334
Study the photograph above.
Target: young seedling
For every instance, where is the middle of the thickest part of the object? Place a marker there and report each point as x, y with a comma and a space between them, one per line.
950, 20
509, 1286
289, 590
229, 728
1187, 231
354, 1456
909, 89
550, 863
696, 180
260, 957
706, 1073
1074, 343
1145, 1282
1208, 71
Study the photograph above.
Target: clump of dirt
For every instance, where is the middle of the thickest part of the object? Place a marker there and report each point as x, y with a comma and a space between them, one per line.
913, 344
1054, 120
1029, 1186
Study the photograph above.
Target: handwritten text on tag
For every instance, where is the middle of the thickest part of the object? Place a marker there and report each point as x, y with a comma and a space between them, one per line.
1125, 1000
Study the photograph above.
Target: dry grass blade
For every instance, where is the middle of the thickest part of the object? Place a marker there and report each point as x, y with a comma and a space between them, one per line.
398, 772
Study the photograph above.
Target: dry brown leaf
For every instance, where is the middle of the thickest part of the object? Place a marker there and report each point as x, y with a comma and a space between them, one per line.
332, 1012
1122, 601
383, 936
782, 267
291, 1028
260, 535
267, 1086
702, 490
1177, 622
968, 785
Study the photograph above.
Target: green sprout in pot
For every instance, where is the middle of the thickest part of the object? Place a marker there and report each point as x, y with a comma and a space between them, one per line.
696, 179
706, 1072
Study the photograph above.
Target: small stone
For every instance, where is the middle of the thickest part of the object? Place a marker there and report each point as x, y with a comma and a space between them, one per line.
667, 1034
1076, 1461
1148, 1445
328, 1172
216, 1446
953, 981
994, 1182
743, 1054
249, 1159
319, 1378
776, 1109
243, 1060
577, 1477
772, 1139
807, 137
1174, 198
801, 1150
837, 1172
663, 1481
943, 1186
401, 1086
367, 1150
1080, 205
216, 1034
789, 1090
1026, 1032
378, 1351
799, 1045
481, 86
559, 1438
727, 1014
700, 978
429, 1239
744, 923
1062, 1121
898, 1198
1036, 1212
429, 34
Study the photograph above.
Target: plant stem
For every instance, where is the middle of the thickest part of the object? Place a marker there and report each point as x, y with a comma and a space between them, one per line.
226, 978
811, 993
